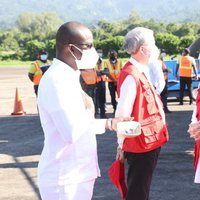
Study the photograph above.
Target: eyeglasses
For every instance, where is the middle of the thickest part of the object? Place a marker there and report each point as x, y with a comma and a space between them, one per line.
85, 46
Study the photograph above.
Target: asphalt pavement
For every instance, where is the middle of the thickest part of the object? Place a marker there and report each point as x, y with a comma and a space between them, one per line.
21, 141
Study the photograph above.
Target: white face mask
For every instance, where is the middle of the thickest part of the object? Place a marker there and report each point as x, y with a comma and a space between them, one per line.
154, 53
88, 59
100, 55
43, 57
163, 54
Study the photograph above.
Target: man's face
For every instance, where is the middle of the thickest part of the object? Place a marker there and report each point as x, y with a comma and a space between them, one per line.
83, 41
113, 57
83, 51
149, 49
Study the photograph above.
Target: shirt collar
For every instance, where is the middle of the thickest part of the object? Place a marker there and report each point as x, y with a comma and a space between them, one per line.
139, 66
70, 70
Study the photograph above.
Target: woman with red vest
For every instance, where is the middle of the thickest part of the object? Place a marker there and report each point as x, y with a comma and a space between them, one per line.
194, 131
138, 99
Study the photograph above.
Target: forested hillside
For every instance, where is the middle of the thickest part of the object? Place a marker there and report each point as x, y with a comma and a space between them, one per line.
92, 11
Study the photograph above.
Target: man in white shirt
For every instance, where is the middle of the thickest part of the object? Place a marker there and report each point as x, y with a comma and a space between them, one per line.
68, 165
138, 99
156, 75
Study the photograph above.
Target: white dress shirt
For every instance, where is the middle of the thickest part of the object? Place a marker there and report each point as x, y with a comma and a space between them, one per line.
128, 92
156, 75
70, 150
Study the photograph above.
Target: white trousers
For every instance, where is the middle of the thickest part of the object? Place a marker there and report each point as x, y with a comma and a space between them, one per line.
197, 174
77, 191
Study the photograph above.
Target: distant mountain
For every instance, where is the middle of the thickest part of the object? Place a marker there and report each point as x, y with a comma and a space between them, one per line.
92, 11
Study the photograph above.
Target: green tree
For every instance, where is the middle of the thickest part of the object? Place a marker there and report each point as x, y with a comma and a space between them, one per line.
51, 48
8, 41
186, 41
186, 29
114, 43
32, 48
168, 41
40, 26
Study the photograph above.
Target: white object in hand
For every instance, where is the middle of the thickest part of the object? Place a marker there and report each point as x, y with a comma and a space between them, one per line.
129, 128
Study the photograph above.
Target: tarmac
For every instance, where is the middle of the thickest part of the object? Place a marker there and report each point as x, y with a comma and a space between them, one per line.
21, 141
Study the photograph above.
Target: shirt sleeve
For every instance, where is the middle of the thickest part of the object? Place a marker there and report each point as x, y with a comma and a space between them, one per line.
32, 68
156, 76
194, 67
125, 102
127, 97
67, 111
160, 78
194, 119
72, 128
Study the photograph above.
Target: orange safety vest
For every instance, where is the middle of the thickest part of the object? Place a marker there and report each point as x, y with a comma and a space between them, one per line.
38, 73
185, 66
101, 78
89, 76
146, 111
114, 70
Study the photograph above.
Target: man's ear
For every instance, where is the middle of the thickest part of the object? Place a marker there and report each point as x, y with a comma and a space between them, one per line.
70, 48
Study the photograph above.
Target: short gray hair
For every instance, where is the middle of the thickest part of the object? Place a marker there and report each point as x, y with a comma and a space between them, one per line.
137, 37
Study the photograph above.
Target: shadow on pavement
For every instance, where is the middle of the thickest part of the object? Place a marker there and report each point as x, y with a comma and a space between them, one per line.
20, 138
21, 142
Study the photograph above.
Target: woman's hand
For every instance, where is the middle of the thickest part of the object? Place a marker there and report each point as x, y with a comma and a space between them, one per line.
194, 130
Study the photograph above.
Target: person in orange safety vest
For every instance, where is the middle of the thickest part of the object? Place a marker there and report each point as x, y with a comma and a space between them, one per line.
101, 88
113, 67
88, 81
186, 66
38, 68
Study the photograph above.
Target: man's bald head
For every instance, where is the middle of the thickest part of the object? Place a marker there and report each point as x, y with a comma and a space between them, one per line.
71, 38
70, 33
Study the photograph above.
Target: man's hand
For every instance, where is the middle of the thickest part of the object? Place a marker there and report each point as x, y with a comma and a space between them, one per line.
194, 130
120, 155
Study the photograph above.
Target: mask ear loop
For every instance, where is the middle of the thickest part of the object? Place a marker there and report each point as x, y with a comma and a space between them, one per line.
77, 49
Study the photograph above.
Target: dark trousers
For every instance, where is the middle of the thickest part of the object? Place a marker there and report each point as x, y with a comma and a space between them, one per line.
183, 82
36, 89
164, 95
101, 97
113, 88
140, 172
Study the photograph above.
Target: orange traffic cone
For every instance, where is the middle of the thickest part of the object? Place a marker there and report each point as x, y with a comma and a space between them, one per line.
18, 108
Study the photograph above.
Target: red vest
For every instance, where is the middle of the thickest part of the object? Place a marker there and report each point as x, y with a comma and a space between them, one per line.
145, 110
197, 144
